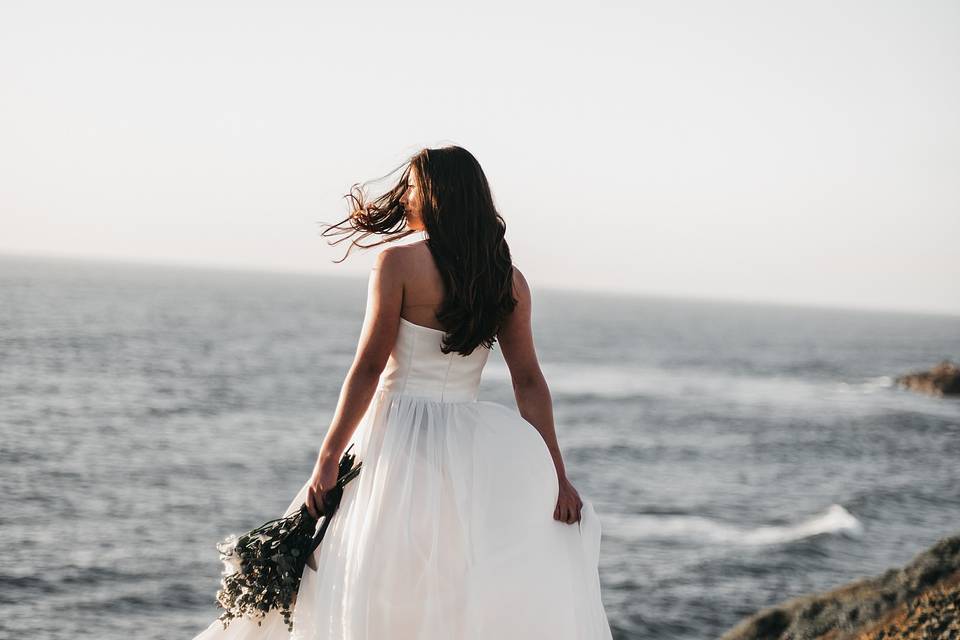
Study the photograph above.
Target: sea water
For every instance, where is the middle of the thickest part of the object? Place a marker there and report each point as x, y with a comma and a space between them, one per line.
737, 454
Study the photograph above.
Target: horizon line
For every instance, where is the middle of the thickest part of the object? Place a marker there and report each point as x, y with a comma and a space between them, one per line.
266, 270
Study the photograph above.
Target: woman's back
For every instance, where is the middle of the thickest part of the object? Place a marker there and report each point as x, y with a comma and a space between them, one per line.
422, 285
423, 294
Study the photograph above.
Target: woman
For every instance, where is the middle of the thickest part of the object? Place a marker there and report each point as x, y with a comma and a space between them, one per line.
462, 523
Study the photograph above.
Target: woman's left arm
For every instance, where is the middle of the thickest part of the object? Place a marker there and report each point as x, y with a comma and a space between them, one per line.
380, 326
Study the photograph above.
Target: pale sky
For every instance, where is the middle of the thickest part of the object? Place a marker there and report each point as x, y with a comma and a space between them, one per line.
801, 152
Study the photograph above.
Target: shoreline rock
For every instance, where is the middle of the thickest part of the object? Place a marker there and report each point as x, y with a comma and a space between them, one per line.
932, 614
941, 380
924, 594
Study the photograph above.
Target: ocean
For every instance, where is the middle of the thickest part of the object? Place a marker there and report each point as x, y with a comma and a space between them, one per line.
737, 454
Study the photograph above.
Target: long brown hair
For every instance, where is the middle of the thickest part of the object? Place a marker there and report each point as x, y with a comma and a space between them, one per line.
465, 236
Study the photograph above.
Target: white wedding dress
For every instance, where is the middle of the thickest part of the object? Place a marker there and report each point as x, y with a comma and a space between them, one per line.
448, 532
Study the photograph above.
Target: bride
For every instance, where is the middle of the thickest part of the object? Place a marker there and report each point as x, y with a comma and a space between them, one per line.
462, 523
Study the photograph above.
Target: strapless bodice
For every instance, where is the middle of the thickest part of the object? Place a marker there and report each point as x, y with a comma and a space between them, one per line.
417, 367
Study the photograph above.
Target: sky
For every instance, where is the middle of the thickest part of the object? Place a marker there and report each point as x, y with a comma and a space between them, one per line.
790, 152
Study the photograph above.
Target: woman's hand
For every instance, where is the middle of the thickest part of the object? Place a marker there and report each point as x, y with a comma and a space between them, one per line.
568, 503
324, 477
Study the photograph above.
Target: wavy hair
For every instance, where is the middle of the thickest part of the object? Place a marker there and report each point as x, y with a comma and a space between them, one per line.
465, 237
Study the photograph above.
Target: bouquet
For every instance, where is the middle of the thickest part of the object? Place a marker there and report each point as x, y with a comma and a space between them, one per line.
263, 567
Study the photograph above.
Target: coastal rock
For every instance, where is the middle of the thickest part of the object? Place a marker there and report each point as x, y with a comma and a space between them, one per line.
942, 380
913, 602
932, 614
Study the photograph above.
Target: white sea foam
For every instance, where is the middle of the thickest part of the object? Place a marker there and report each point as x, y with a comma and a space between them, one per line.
626, 380
793, 395
835, 520
870, 385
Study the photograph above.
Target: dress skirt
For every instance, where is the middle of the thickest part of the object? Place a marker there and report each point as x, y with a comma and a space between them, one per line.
447, 533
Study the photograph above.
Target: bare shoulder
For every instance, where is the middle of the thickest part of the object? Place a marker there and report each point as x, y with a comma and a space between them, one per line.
423, 279
521, 290
405, 254
411, 268
518, 322
397, 259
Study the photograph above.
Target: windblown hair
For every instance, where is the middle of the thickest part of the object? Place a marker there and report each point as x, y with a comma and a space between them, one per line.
465, 236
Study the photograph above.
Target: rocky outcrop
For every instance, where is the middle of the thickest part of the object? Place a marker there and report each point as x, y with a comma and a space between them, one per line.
900, 601
933, 615
942, 380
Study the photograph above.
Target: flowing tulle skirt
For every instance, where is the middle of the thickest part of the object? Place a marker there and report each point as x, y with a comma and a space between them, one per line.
447, 534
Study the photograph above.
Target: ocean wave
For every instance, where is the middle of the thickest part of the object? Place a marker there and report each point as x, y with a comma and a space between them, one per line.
697, 529
854, 397
626, 381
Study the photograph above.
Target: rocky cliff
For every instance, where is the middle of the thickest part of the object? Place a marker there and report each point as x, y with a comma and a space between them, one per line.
919, 601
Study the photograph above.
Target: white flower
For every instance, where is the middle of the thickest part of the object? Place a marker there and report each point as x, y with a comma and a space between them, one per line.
228, 554
231, 564
228, 545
